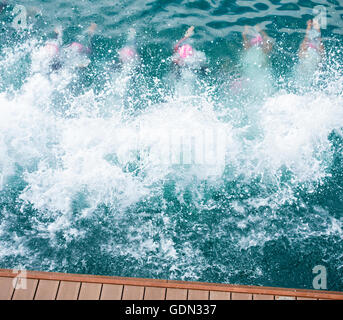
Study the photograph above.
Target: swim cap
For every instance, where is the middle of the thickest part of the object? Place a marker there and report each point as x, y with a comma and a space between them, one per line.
51, 49
76, 46
185, 51
257, 40
127, 54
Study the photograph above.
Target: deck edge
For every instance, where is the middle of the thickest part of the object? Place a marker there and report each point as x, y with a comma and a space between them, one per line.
176, 284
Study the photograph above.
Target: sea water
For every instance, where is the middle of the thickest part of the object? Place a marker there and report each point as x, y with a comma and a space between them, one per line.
231, 175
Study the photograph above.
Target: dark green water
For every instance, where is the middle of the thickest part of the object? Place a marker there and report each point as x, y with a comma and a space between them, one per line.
82, 189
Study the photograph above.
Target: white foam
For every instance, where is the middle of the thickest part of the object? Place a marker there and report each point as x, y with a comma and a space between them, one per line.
119, 161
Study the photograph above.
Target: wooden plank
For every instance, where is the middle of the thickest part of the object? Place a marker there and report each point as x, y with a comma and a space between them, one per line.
26, 292
263, 297
176, 294
90, 291
133, 293
220, 295
68, 290
6, 288
241, 296
111, 292
198, 295
284, 298
88, 278
154, 293
318, 294
47, 290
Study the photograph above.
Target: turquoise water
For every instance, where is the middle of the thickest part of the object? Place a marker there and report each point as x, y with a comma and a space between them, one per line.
82, 188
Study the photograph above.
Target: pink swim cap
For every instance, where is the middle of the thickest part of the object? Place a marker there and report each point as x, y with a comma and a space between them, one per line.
185, 51
77, 46
257, 40
51, 48
127, 54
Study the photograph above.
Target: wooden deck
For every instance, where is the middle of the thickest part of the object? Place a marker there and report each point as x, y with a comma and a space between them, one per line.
60, 286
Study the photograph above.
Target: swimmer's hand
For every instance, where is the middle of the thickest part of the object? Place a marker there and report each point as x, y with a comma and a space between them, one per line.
309, 24
258, 28
189, 32
58, 30
92, 28
316, 24
131, 34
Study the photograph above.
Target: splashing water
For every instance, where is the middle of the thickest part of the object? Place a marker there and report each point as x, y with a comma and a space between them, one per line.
232, 175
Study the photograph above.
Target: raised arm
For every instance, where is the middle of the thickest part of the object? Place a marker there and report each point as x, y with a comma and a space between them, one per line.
187, 35
246, 43
267, 41
59, 33
304, 44
91, 29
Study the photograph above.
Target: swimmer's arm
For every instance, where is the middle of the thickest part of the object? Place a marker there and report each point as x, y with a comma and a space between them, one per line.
187, 35
304, 44
302, 49
59, 33
316, 25
321, 47
245, 39
267, 42
91, 29
90, 33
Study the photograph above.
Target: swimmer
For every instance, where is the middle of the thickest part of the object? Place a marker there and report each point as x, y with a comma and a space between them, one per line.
186, 56
127, 59
255, 37
77, 53
128, 54
310, 54
312, 39
47, 58
124, 75
256, 80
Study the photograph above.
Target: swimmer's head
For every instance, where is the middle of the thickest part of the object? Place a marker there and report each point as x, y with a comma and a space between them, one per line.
185, 51
76, 47
257, 40
127, 54
254, 35
44, 56
50, 50
190, 58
